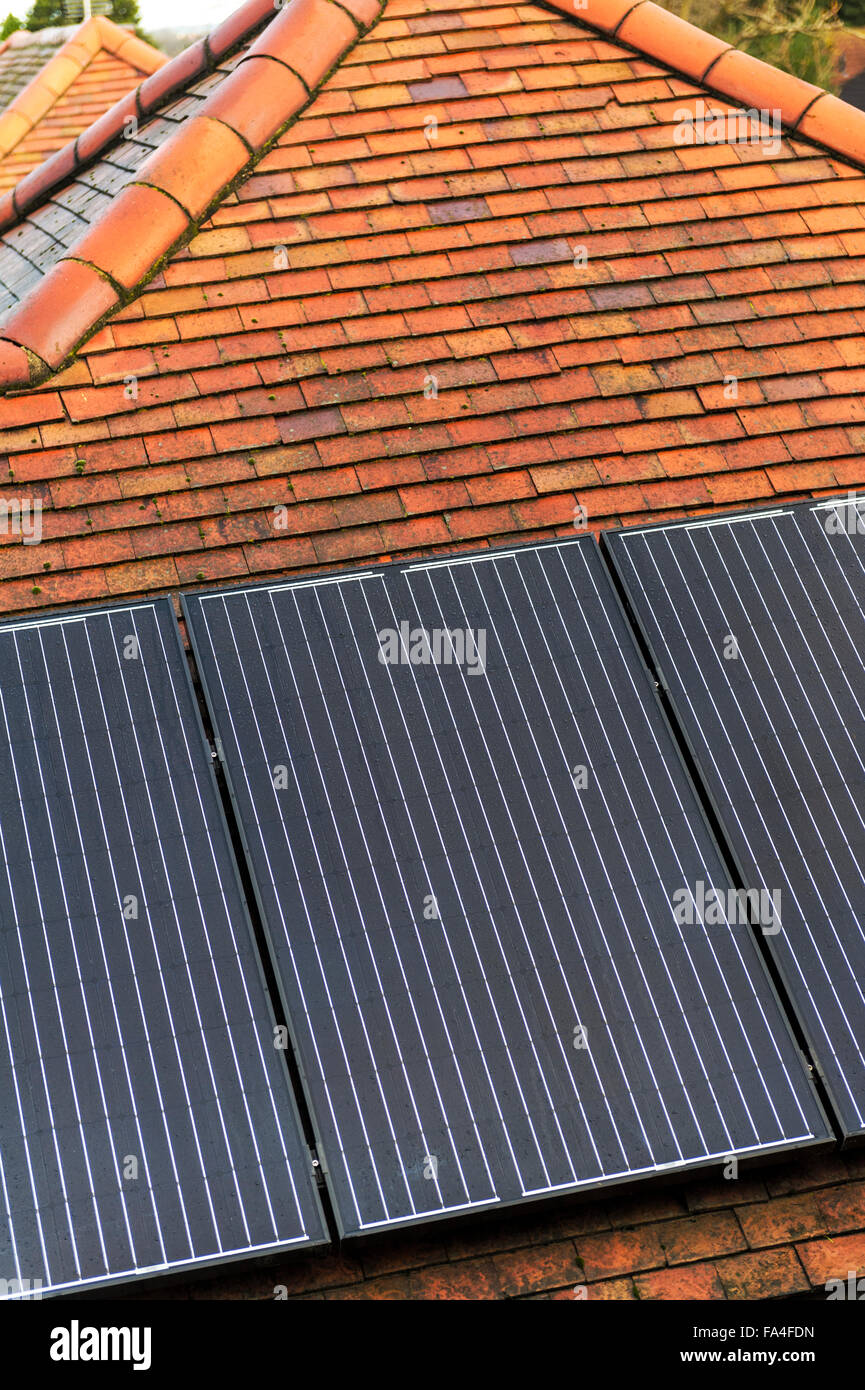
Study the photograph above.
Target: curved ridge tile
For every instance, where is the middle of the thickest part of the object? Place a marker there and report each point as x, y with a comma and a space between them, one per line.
34, 186
834, 123
253, 105
237, 27
27, 109
200, 162
144, 230
754, 83
166, 82
129, 48
659, 34
15, 370
726, 71
177, 184
297, 37
62, 311
88, 144
192, 167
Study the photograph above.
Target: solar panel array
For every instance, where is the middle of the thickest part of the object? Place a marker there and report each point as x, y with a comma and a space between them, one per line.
146, 1118
757, 624
469, 829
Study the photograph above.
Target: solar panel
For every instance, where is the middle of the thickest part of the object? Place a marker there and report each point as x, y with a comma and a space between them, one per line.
757, 624
146, 1118
466, 820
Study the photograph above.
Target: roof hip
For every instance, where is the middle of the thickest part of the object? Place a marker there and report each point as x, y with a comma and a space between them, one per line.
176, 187
304, 40
95, 35
803, 108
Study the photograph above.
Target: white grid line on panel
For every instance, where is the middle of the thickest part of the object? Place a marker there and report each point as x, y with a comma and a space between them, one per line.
273, 885
254, 1029
342, 792
742, 792
722, 980
214, 1249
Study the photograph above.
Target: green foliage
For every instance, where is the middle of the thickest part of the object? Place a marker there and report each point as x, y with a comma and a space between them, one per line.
45, 14
125, 12
789, 34
9, 26
853, 12
794, 35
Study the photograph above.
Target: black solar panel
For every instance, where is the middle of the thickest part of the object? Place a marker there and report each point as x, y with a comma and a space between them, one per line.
757, 625
146, 1119
466, 850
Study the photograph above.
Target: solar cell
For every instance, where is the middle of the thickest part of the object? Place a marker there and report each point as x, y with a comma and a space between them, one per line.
757, 624
466, 821
146, 1119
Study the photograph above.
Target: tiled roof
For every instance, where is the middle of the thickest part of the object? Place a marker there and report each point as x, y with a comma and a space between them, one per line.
288, 351
433, 279
779, 1232
23, 55
35, 243
198, 147
71, 77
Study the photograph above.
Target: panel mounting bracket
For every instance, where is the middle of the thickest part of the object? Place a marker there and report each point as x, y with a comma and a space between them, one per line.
318, 1168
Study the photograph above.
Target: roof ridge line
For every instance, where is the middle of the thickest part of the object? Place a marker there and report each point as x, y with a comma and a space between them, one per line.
804, 109
170, 77
125, 44
178, 185
56, 77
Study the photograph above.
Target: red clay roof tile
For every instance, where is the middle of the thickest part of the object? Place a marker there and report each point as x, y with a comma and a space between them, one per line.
60, 312
307, 36
193, 167
837, 125
755, 84
655, 31
173, 77
428, 288
255, 103
14, 365
98, 63
236, 27
126, 247
198, 162
108, 127
35, 185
